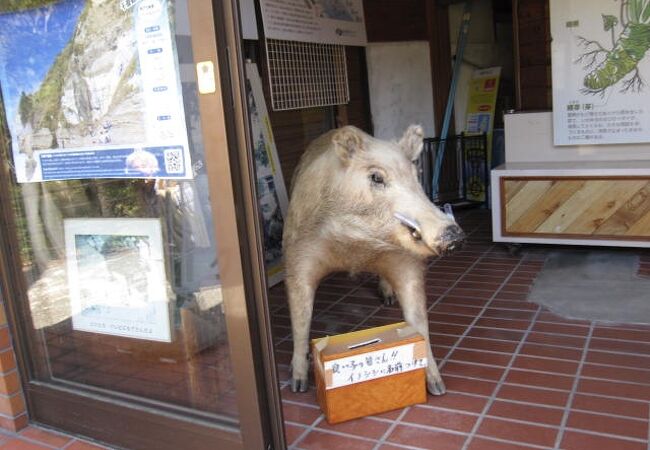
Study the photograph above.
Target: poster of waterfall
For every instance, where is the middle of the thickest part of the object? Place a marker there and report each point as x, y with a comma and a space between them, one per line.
271, 191
91, 89
601, 71
116, 277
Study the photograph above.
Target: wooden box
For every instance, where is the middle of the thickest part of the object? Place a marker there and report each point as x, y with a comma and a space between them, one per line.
369, 371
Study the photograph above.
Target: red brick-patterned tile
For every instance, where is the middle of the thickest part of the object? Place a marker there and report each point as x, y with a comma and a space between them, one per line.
633, 428
533, 395
617, 373
474, 371
544, 351
518, 432
545, 380
529, 413
458, 402
469, 386
480, 357
546, 365
426, 439
634, 361
481, 443
488, 345
608, 405
449, 420
318, 440
300, 414
366, 428
573, 440
615, 389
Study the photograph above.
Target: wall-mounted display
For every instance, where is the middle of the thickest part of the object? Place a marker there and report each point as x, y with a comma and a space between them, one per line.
600, 68
116, 277
99, 95
320, 21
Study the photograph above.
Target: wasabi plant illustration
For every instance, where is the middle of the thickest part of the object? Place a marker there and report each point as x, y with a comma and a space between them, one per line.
607, 67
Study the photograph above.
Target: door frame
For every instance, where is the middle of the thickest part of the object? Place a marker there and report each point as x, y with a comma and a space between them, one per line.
230, 169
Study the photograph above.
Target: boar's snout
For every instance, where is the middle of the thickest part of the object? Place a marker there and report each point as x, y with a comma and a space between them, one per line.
452, 238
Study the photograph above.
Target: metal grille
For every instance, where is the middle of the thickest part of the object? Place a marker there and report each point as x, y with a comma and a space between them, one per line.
305, 75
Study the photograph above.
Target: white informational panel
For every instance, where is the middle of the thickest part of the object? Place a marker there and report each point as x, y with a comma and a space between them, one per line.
248, 19
272, 193
321, 21
116, 277
100, 97
399, 97
600, 68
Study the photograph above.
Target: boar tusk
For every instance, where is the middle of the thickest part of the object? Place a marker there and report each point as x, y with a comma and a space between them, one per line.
449, 211
411, 224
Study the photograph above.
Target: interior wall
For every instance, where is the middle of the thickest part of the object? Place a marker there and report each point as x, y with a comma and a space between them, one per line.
399, 80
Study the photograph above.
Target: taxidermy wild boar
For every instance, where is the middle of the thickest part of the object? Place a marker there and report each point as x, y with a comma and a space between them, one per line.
356, 205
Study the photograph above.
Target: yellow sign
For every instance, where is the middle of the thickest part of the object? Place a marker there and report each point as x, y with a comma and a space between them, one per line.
481, 103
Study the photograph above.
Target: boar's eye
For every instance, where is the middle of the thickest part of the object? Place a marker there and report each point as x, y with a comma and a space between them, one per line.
377, 179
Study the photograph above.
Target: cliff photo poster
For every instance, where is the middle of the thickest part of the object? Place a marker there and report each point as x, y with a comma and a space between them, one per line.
601, 71
116, 277
91, 89
271, 190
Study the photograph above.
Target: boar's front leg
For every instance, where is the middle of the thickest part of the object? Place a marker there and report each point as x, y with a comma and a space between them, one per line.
301, 289
407, 278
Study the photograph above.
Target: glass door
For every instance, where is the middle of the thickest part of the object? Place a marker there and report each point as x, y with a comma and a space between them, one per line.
121, 255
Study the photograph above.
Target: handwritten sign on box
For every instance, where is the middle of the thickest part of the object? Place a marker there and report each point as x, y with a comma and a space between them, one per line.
375, 364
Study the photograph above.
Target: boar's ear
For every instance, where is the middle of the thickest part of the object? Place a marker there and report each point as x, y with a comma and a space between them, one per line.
411, 143
347, 141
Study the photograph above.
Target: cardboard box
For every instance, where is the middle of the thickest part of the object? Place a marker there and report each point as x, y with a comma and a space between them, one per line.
369, 371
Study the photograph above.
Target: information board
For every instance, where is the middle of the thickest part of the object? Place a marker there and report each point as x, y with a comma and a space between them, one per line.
600, 68
320, 21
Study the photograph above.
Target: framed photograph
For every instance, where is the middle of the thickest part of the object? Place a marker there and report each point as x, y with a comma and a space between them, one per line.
116, 277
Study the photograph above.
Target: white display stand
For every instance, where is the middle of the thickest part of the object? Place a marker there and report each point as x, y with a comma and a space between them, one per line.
591, 195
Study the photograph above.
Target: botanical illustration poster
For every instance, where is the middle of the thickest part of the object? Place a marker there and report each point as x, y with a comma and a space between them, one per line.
272, 193
481, 104
91, 89
321, 21
600, 71
116, 277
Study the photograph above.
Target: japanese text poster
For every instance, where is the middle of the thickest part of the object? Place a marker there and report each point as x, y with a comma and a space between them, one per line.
321, 21
600, 71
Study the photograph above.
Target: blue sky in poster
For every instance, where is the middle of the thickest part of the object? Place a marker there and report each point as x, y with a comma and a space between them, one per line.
29, 43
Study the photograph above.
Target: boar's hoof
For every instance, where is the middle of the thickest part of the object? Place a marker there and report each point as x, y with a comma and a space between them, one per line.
299, 385
388, 299
436, 387
387, 293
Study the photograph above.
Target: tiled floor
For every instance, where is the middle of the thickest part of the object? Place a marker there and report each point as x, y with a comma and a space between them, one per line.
518, 376
37, 438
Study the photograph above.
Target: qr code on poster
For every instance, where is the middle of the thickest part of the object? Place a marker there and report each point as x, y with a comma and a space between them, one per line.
173, 160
